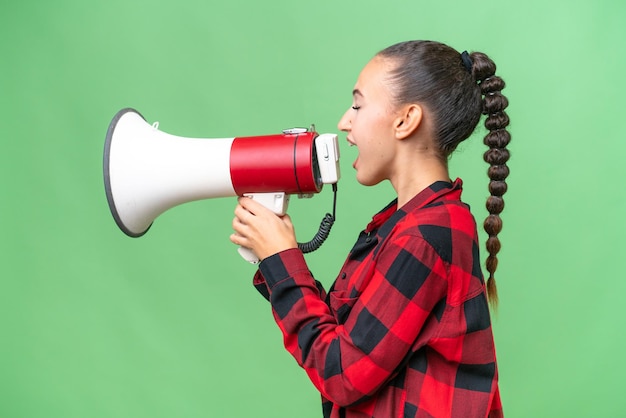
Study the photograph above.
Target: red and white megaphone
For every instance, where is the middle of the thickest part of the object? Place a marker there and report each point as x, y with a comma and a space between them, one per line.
147, 171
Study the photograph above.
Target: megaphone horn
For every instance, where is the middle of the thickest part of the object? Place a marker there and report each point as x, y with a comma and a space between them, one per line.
147, 171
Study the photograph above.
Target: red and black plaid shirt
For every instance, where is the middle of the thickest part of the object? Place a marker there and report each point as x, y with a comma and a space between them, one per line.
405, 329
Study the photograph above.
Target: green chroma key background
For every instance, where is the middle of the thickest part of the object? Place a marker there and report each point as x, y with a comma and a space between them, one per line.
96, 324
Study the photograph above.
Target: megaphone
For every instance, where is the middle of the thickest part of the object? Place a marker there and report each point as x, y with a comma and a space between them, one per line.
148, 171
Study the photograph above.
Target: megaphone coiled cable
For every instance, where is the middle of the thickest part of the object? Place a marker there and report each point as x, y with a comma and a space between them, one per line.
324, 229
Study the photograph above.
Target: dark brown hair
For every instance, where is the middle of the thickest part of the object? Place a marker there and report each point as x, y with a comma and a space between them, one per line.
457, 91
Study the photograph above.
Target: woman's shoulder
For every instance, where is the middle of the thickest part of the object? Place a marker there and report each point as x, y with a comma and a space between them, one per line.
440, 225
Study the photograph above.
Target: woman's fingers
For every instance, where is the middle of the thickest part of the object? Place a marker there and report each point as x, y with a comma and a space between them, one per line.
259, 229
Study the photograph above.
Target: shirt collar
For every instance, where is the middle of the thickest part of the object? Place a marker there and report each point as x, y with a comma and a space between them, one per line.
423, 198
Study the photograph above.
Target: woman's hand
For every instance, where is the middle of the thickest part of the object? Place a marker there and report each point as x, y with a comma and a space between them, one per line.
261, 230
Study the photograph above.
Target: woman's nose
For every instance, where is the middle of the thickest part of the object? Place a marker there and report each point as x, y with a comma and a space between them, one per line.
344, 123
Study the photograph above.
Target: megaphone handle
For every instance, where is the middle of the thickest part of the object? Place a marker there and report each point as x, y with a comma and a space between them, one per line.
277, 203
248, 255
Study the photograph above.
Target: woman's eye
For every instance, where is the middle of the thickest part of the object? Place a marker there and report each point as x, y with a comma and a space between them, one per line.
356, 107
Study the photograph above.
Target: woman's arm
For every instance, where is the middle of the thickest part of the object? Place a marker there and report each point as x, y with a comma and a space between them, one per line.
349, 362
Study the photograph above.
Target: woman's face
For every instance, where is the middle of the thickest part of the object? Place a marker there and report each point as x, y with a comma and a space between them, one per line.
369, 123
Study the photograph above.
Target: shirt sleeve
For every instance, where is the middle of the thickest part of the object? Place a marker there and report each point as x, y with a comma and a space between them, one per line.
261, 286
349, 362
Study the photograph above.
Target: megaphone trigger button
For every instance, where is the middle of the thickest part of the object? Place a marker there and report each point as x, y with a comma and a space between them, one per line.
327, 153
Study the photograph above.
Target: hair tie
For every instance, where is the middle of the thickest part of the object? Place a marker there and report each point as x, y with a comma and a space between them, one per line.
467, 61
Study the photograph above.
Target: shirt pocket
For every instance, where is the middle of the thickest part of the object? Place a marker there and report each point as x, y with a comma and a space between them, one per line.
341, 304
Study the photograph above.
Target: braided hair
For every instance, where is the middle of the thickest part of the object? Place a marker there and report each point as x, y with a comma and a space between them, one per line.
458, 89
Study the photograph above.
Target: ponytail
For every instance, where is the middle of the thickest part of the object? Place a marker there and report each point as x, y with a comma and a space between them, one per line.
496, 156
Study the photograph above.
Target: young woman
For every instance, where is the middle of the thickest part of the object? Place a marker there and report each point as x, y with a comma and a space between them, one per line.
405, 329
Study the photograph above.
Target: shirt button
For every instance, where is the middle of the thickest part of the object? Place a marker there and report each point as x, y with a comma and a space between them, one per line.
343, 275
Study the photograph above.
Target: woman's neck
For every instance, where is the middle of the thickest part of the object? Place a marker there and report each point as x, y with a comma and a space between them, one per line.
417, 173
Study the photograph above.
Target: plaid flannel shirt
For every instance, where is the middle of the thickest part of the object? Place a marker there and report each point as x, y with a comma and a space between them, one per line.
404, 330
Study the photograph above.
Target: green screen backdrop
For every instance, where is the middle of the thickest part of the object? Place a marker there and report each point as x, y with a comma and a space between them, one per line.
96, 324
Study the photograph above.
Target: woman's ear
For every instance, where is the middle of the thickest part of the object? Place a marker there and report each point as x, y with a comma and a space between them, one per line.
408, 120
